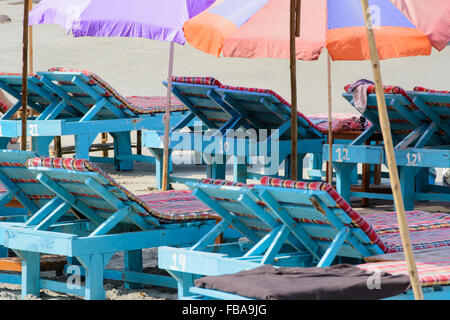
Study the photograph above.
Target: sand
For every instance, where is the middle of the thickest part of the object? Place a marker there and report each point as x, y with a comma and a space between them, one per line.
138, 66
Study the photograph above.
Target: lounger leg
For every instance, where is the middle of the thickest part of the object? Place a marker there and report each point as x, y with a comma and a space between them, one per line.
185, 282
31, 267
158, 154
94, 267
240, 169
423, 179
217, 169
3, 252
316, 163
122, 151
133, 262
344, 179
82, 144
4, 142
287, 167
407, 179
40, 145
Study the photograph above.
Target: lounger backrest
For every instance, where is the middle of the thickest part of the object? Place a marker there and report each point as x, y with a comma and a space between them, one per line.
404, 115
265, 109
38, 95
98, 193
17, 179
89, 88
231, 201
255, 210
88, 189
199, 95
435, 104
84, 89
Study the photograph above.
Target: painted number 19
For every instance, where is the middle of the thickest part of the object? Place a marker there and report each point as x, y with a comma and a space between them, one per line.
178, 262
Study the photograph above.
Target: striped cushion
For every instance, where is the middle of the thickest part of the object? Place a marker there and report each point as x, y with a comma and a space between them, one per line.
417, 220
420, 239
340, 122
431, 273
428, 230
208, 81
200, 213
139, 105
177, 205
357, 220
3, 106
276, 95
219, 182
422, 89
149, 105
438, 104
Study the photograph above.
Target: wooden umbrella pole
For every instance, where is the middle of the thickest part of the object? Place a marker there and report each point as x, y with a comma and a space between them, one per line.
330, 124
24, 114
391, 162
165, 175
294, 28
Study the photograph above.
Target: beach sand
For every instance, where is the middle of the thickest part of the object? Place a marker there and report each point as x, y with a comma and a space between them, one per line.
138, 66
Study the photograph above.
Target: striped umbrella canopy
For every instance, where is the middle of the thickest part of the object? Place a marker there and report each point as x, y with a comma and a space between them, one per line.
260, 28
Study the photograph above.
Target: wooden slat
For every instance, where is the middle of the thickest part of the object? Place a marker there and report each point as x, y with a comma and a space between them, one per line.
48, 263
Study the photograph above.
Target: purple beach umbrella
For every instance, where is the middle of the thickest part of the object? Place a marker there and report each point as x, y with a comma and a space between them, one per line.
152, 19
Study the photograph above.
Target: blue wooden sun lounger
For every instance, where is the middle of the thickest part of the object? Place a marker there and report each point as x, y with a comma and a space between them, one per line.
83, 213
80, 103
242, 122
420, 129
287, 223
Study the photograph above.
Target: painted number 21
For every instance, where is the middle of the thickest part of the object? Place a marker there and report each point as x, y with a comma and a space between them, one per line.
33, 130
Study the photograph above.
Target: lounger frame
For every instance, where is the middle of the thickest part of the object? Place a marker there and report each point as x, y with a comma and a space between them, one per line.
415, 152
225, 111
273, 236
60, 99
92, 238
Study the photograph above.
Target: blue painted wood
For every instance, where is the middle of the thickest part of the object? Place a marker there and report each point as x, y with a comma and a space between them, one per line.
59, 96
333, 249
409, 161
273, 216
93, 244
31, 263
215, 294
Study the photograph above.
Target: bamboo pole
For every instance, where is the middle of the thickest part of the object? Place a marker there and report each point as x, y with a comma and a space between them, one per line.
165, 176
294, 29
30, 43
391, 162
24, 113
330, 124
